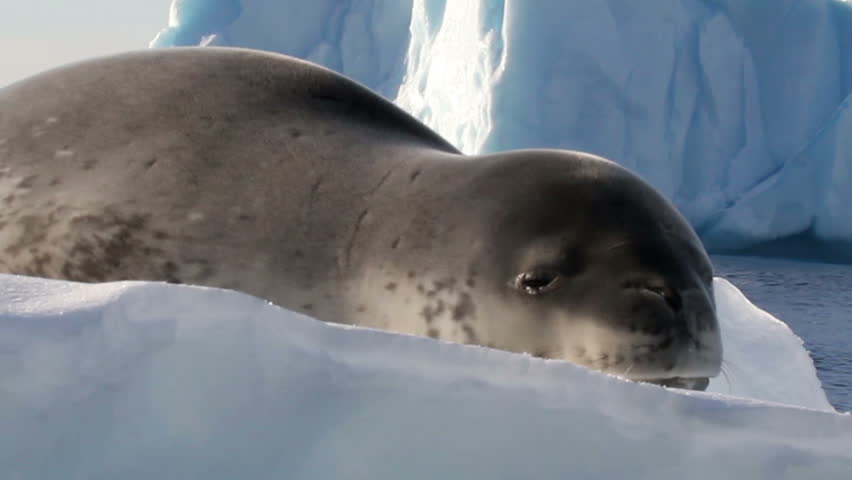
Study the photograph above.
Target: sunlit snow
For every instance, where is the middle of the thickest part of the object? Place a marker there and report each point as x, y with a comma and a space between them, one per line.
145, 380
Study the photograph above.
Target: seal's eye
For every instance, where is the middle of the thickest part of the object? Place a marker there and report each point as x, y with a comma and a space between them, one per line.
536, 282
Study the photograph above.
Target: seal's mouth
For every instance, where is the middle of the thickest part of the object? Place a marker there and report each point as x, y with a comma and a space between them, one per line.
697, 383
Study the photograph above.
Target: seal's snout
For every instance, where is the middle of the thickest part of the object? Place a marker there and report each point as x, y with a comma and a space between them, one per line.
673, 328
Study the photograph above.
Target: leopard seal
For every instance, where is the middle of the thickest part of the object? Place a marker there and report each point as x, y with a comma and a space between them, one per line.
266, 174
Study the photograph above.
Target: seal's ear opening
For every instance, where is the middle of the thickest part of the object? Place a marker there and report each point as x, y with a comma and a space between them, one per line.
536, 281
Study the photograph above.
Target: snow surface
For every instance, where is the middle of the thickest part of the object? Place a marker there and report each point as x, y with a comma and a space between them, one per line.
737, 110
138, 380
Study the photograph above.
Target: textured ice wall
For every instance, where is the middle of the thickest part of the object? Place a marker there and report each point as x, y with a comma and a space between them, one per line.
364, 39
144, 380
735, 109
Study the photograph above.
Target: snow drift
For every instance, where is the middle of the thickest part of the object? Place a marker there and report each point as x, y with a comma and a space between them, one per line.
734, 109
142, 380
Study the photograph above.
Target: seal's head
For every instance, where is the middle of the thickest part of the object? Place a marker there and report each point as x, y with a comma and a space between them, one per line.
609, 273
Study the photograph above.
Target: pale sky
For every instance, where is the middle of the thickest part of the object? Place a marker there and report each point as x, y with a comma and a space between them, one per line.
36, 35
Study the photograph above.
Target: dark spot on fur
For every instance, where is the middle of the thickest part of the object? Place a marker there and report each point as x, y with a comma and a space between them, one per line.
464, 308
361, 308
446, 284
308, 307
426, 313
414, 175
470, 282
431, 312
28, 182
39, 262
295, 133
207, 120
150, 163
299, 254
244, 217
34, 233
56, 181
473, 270
395, 243
390, 287
420, 288
121, 244
433, 333
89, 163
469, 333
160, 235
411, 274
170, 270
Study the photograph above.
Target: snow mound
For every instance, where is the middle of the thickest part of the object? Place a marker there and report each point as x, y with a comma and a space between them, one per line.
142, 380
763, 358
735, 110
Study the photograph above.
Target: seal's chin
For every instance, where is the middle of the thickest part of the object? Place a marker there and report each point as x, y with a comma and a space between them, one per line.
697, 383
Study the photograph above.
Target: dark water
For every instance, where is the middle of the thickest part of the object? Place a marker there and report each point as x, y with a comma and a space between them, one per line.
815, 300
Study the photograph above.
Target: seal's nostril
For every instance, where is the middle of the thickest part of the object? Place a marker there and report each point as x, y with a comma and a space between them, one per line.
670, 296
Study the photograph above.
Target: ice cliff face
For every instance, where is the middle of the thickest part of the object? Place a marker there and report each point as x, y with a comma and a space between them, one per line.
363, 39
734, 109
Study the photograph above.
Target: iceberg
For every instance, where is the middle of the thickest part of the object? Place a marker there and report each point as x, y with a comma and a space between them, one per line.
736, 110
366, 40
139, 380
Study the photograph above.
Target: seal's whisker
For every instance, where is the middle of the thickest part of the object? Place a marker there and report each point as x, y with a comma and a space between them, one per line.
725, 376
